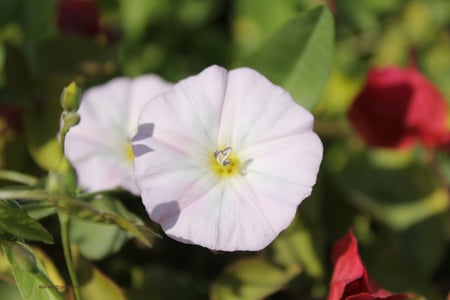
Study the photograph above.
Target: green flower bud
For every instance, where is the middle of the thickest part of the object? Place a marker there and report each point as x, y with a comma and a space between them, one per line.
70, 98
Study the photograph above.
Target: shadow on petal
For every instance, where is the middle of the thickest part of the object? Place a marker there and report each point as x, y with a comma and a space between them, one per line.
144, 131
166, 214
140, 150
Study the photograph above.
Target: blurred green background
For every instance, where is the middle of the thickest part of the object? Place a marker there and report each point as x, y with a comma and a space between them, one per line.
396, 203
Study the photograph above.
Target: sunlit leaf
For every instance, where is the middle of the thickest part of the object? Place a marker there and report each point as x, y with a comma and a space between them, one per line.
294, 247
30, 276
94, 284
137, 15
255, 20
298, 57
251, 279
16, 222
41, 127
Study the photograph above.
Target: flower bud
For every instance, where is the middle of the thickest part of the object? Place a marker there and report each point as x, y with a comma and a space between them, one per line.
70, 100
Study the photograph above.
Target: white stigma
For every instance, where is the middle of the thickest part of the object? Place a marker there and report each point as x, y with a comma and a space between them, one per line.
221, 156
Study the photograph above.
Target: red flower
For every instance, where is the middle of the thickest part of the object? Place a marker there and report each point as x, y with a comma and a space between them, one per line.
78, 17
350, 280
12, 116
397, 107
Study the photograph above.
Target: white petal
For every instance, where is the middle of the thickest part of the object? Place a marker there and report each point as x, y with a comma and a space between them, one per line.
97, 146
223, 218
293, 159
256, 110
188, 116
143, 89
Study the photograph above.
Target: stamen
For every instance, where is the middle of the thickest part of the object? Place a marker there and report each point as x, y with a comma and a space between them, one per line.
221, 156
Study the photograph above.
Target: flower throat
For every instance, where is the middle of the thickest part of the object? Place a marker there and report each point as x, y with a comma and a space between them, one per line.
224, 163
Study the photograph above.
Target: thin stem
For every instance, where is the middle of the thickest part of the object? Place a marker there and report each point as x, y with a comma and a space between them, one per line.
18, 177
93, 194
66, 204
64, 222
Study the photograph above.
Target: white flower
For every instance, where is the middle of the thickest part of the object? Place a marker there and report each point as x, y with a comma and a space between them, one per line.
223, 159
99, 147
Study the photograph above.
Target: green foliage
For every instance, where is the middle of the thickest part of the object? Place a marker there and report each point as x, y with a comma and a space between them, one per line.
98, 240
245, 280
298, 56
16, 222
31, 278
397, 202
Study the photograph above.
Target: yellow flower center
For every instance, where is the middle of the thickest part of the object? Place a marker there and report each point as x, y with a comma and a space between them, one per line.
224, 163
129, 152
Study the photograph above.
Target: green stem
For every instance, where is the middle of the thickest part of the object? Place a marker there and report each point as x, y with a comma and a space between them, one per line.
64, 222
18, 177
82, 210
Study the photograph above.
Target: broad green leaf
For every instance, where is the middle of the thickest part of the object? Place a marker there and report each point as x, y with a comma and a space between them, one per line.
96, 240
137, 15
29, 274
9, 292
298, 57
16, 222
41, 127
251, 279
400, 198
255, 20
295, 247
390, 267
166, 282
424, 250
94, 284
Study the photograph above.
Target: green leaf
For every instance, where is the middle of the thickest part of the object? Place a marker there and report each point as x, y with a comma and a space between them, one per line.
167, 282
39, 17
82, 210
31, 278
96, 240
401, 197
18, 76
295, 247
137, 15
390, 267
41, 127
251, 279
94, 284
16, 222
256, 20
298, 57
